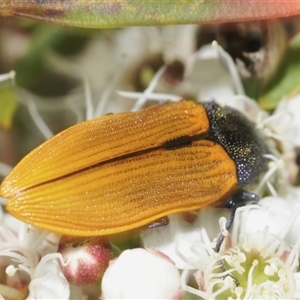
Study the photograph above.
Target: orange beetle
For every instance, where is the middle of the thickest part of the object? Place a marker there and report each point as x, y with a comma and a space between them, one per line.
120, 172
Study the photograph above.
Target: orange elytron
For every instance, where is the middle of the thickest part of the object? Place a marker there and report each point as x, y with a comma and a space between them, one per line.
120, 172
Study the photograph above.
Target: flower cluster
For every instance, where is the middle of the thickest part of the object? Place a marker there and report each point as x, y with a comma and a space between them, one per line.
29, 262
259, 258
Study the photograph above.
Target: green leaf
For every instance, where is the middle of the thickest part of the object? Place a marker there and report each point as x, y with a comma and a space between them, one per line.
286, 83
8, 106
119, 13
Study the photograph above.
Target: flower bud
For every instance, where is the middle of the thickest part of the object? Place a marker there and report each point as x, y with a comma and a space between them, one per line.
85, 262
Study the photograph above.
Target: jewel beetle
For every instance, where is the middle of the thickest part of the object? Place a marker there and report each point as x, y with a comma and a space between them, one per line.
123, 171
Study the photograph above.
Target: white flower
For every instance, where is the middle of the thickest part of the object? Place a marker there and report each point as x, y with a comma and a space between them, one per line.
29, 265
179, 239
293, 199
212, 75
45, 277
260, 265
154, 46
282, 129
173, 239
290, 124
274, 213
140, 274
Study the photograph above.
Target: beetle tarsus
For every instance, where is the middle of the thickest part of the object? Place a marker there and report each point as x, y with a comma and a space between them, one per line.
223, 269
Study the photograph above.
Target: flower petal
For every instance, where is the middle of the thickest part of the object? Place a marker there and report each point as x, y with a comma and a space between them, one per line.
48, 281
139, 274
178, 236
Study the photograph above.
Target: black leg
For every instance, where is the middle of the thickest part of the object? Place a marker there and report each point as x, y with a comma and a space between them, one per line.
240, 197
229, 222
158, 223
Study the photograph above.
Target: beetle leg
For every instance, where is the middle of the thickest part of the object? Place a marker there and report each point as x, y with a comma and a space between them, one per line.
158, 223
229, 222
240, 197
232, 204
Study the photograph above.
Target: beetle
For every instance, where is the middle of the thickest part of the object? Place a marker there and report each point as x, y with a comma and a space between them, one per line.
123, 171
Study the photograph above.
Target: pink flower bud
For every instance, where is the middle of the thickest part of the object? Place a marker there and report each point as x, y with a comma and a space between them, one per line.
86, 262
